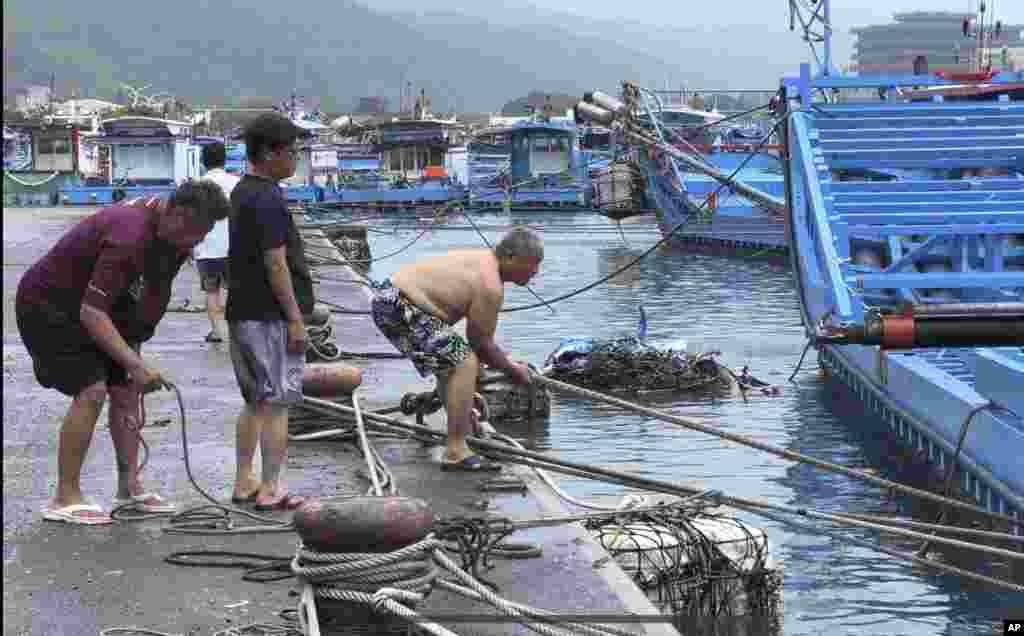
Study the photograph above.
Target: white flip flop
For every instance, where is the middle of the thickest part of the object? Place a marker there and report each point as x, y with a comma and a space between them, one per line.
147, 502
73, 515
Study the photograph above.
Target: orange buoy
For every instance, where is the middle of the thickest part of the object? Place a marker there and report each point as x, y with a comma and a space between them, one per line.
328, 380
363, 524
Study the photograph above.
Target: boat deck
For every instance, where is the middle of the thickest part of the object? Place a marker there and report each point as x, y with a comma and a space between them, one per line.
948, 232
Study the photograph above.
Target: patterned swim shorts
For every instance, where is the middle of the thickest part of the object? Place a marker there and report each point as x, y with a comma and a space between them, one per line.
431, 343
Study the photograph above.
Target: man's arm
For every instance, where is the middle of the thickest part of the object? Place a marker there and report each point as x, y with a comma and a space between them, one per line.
98, 324
481, 323
276, 262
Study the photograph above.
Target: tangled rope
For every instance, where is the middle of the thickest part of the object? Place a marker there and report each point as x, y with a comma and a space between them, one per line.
398, 581
670, 551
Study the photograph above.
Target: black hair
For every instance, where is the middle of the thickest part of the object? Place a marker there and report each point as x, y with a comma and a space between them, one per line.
203, 198
267, 133
213, 155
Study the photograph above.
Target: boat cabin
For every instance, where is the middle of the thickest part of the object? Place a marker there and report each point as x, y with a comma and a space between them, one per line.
410, 147
39, 159
137, 156
537, 148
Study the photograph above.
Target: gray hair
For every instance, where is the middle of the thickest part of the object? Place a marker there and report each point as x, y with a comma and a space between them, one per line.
520, 242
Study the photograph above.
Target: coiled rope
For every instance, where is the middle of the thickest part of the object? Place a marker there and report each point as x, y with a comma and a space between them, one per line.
213, 518
757, 506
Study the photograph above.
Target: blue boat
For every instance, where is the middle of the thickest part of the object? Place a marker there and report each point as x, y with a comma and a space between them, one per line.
684, 154
316, 167
138, 156
40, 159
906, 221
533, 162
416, 160
903, 214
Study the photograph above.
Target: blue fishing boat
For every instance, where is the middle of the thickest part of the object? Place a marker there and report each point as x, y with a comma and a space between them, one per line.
316, 167
906, 221
137, 156
903, 213
358, 166
416, 156
684, 155
531, 162
40, 159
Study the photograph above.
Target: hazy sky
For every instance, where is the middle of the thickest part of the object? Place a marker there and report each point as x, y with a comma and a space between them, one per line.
772, 13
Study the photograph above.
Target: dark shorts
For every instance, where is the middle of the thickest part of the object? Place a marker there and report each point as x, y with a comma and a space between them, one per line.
213, 273
64, 355
266, 371
432, 344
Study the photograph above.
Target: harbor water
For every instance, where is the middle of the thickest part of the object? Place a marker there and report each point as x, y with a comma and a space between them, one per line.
747, 310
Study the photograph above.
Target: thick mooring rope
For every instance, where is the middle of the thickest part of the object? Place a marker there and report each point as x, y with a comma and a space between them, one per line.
756, 506
769, 448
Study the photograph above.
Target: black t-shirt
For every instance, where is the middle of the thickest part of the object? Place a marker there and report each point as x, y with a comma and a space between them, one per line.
259, 222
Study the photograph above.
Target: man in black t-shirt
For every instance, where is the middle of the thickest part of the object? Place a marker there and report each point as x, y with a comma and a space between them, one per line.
270, 292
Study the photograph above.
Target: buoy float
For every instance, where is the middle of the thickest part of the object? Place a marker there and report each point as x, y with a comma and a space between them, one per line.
363, 524
328, 380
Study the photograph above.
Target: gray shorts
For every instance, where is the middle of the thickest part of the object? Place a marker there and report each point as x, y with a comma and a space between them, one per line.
266, 371
213, 273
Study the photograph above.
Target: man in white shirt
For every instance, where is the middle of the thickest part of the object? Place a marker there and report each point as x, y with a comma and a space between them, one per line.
212, 254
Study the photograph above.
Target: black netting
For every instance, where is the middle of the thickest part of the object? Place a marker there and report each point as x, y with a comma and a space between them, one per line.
626, 363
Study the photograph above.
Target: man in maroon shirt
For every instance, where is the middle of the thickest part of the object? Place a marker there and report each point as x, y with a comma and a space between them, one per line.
83, 311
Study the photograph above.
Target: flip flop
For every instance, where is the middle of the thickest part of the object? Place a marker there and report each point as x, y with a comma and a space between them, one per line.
78, 514
472, 464
246, 499
287, 502
212, 337
148, 502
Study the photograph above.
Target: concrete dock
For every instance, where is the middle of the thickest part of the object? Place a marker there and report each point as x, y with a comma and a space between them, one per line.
75, 580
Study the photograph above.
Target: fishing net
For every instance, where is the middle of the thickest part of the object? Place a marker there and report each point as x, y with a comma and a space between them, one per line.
509, 402
355, 251
694, 563
628, 363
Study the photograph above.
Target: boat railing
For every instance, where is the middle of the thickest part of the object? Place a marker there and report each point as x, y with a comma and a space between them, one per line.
945, 230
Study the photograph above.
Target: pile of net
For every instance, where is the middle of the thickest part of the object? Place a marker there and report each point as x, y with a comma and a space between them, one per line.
692, 562
629, 363
510, 402
355, 251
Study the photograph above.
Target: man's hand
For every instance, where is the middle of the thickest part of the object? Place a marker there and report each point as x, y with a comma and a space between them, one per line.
296, 336
146, 379
520, 373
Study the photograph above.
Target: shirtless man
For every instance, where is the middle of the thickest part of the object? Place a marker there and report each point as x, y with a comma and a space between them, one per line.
418, 306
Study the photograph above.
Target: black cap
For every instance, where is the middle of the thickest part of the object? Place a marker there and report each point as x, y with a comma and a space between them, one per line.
273, 129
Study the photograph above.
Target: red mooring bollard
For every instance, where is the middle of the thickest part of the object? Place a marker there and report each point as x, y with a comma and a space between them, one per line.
363, 524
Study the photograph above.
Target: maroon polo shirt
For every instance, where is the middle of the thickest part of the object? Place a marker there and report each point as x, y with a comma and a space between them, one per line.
112, 261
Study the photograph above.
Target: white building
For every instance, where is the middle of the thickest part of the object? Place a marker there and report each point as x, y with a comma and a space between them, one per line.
32, 97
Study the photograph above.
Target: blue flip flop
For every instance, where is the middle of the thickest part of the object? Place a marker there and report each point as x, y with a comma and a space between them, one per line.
472, 464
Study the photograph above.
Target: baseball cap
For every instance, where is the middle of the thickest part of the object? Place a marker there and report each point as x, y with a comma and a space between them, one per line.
272, 129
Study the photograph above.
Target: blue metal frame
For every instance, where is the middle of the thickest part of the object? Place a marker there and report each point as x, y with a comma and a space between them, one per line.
857, 246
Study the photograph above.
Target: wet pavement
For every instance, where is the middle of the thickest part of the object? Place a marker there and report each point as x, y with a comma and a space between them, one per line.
61, 579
